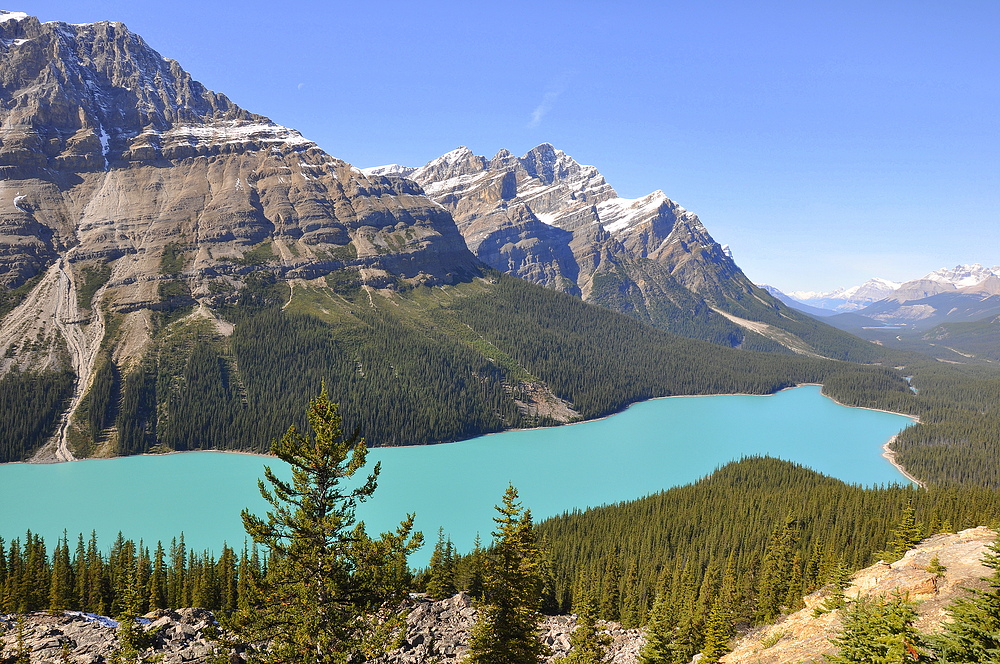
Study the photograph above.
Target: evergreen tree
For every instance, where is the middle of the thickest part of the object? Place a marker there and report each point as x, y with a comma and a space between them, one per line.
62, 586
132, 639
840, 578
906, 534
659, 647
441, 583
973, 632
587, 643
158, 580
719, 625
472, 570
936, 568
632, 610
509, 617
321, 588
879, 631
776, 571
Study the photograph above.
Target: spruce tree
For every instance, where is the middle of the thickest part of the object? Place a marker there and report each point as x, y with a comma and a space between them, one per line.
973, 632
326, 578
880, 631
776, 571
441, 584
840, 578
719, 625
906, 534
61, 587
471, 572
509, 618
157, 591
659, 647
588, 643
936, 568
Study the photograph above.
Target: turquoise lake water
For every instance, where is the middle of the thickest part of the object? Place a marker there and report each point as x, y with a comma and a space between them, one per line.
651, 446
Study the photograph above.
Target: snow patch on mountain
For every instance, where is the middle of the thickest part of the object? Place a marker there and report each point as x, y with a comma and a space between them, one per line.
963, 276
389, 169
11, 16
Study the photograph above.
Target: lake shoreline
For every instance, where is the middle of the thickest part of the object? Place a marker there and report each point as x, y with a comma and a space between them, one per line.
887, 452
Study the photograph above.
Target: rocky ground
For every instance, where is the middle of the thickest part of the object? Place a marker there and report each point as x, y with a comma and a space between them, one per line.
803, 637
439, 632
181, 636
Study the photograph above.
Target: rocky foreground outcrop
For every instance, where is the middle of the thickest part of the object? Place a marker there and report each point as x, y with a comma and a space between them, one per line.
439, 632
803, 637
184, 635
435, 632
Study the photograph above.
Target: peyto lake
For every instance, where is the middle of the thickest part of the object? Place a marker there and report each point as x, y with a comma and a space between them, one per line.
650, 446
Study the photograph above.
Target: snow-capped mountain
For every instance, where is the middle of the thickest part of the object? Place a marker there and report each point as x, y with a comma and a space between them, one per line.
855, 298
963, 276
546, 218
848, 299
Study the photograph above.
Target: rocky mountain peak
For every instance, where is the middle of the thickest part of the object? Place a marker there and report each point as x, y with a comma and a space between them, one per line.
547, 218
100, 77
987, 287
458, 163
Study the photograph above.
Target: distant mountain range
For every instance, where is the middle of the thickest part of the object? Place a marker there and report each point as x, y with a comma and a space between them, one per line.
952, 313
847, 299
855, 298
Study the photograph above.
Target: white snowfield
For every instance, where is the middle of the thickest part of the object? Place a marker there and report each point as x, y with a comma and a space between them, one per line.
11, 16
235, 132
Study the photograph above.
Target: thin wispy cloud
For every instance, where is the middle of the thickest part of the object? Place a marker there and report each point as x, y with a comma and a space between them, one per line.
548, 101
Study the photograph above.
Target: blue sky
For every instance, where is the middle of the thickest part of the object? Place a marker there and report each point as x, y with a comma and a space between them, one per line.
826, 142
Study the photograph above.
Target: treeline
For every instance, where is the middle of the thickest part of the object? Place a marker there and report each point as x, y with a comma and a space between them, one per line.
399, 384
665, 304
81, 576
30, 404
760, 532
601, 361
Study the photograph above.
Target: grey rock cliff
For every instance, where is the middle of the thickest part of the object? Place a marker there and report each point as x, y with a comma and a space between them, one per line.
110, 152
114, 161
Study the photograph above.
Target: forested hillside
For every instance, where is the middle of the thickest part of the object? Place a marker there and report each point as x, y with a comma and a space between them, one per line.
445, 363
759, 534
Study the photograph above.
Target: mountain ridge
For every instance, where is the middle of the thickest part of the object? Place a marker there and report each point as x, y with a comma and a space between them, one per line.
548, 219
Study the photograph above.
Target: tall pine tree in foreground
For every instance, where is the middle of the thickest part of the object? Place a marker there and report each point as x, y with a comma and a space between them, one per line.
659, 647
326, 580
507, 631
